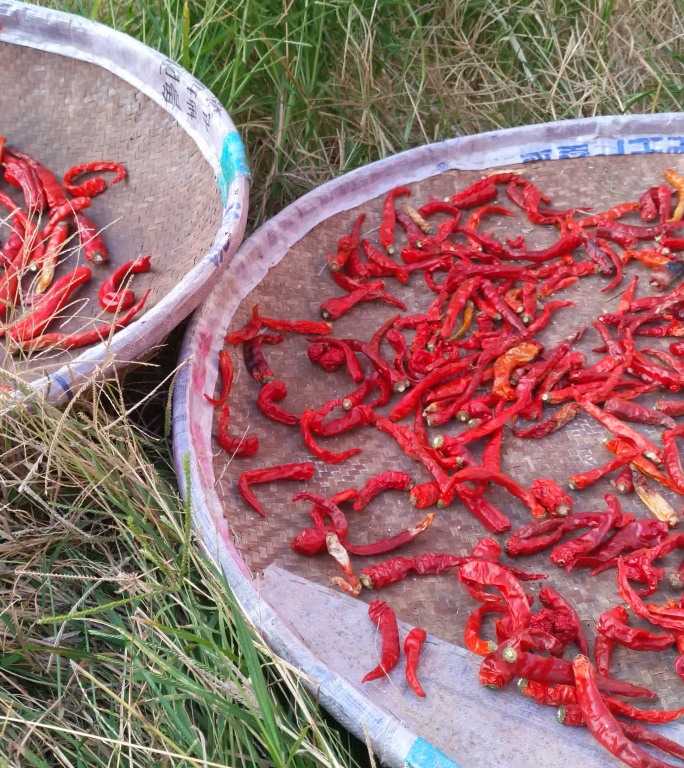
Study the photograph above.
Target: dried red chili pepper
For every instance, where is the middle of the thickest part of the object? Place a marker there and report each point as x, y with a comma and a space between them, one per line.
94, 248
268, 395
397, 568
22, 175
613, 624
110, 296
670, 407
392, 543
471, 632
384, 619
386, 233
66, 341
226, 372
253, 355
413, 644
425, 495
303, 471
638, 413
480, 574
564, 415
390, 480
602, 723
350, 584
307, 420
360, 416
386, 266
93, 186
551, 496
244, 446
48, 306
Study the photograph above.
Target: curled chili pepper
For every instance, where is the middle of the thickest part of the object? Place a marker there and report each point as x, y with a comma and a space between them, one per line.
226, 372
93, 186
389, 480
304, 471
244, 446
110, 295
268, 395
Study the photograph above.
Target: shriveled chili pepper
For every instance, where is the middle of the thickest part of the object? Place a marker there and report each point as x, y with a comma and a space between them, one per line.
307, 420
471, 632
425, 494
499, 478
551, 496
566, 555
303, 471
389, 480
552, 599
386, 233
624, 482
268, 395
93, 186
226, 372
392, 543
638, 413
656, 504
397, 568
613, 624
244, 446
619, 429
602, 723
66, 341
564, 415
481, 574
48, 306
92, 243
56, 196
350, 584
110, 296
359, 416
670, 407
22, 175
384, 619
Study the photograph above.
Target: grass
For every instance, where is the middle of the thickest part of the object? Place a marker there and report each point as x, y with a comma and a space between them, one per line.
120, 645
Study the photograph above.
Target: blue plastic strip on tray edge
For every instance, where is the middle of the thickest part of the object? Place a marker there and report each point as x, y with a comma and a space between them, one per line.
233, 162
423, 755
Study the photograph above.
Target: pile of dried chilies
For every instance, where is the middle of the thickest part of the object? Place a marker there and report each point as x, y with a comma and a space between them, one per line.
474, 356
40, 237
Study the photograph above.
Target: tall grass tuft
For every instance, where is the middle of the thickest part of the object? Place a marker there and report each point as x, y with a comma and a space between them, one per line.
120, 643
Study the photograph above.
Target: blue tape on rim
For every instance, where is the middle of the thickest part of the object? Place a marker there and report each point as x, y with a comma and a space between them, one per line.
423, 755
233, 162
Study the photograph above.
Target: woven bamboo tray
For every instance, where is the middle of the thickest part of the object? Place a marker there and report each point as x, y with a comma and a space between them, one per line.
72, 91
282, 268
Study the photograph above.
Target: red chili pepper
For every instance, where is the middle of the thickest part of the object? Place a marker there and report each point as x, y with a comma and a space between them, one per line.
325, 507
392, 543
307, 420
638, 413
244, 446
389, 480
425, 495
23, 175
268, 395
303, 327
248, 331
397, 568
602, 723
480, 574
255, 362
387, 266
564, 415
613, 624
471, 632
620, 429
304, 471
670, 407
412, 647
110, 296
226, 372
92, 243
53, 190
384, 619
48, 306
552, 599
386, 233
67, 341
93, 186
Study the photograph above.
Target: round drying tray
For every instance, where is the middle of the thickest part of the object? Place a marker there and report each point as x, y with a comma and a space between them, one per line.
72, 91
282, 268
